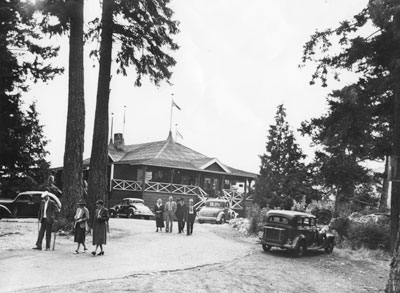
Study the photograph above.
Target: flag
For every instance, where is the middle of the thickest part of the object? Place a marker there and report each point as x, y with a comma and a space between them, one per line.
178, 134
174, 104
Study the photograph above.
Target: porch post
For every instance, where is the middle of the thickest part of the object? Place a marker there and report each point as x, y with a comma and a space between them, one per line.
144, 180
171, 180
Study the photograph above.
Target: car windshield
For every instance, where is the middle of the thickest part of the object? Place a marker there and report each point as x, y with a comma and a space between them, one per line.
215, 204
278, 219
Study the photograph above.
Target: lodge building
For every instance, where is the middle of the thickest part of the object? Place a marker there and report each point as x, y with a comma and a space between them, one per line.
160, 169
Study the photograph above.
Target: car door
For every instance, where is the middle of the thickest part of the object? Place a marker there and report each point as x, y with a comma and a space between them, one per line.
23, 206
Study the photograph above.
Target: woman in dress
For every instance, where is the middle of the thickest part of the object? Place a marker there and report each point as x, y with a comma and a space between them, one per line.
100, 227
81, 218
159, 212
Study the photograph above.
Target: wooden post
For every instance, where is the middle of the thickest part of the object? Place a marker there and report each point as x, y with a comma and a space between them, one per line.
144, 180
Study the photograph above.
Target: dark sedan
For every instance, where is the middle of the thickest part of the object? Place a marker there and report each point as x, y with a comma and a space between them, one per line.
26, 204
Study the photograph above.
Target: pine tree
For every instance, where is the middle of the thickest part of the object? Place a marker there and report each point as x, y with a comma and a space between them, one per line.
283, 174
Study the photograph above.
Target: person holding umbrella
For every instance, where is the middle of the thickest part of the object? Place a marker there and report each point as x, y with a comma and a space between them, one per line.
81, 218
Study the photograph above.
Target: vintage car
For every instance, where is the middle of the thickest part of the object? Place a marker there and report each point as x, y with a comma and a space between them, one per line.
26, 204
4, 211
215, 211
131, 208
296, 231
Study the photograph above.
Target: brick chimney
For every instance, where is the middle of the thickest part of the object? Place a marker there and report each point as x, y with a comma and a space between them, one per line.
118, 140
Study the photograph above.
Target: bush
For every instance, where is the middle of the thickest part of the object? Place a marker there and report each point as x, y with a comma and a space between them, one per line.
256, 217
369, 235
341, 226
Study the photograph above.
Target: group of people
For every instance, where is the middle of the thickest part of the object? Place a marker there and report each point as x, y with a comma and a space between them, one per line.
184, 214
47, 214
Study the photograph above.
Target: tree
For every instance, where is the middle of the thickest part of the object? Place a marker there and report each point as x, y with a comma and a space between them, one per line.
347, 135
69, 18
22, 145
283, 175
142, 30
376, 58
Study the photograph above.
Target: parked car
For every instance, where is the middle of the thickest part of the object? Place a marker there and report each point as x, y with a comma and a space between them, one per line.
131, 208
4, 211
215, 211
26, 204
296, 231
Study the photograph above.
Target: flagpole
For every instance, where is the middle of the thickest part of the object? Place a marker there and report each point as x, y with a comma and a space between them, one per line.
170, 118
123, 127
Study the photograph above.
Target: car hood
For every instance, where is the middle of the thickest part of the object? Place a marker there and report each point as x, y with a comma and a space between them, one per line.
143, 210
209, 211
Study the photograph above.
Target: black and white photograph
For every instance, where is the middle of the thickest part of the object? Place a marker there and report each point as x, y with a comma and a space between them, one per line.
199, 146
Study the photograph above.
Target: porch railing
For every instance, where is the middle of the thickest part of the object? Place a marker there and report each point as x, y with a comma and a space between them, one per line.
128, 185
235, 198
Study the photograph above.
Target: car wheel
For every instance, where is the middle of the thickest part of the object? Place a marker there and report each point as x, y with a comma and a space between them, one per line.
329, 247
200, 222
301, 249
266, 248
222, 221
131, 214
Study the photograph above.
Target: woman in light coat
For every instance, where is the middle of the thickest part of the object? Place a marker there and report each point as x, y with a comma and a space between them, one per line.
81, 218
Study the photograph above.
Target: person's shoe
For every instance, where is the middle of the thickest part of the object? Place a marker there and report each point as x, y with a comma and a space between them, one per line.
84, 250
47, 249
157, 230
93, 253
37, 248
76, 252
101, 253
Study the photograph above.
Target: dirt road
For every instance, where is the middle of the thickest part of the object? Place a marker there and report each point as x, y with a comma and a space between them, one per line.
214, 259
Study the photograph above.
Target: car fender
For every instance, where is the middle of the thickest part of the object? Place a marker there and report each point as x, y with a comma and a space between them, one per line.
220, 214
298, 240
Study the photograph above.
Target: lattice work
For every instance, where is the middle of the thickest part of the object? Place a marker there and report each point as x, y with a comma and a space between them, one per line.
158, 187
126, 185
234, 198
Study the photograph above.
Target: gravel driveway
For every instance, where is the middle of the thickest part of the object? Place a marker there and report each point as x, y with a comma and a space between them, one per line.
214, 259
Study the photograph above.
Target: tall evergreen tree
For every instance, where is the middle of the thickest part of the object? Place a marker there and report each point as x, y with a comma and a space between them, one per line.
61, 17
22, 154
283, 174
142, 30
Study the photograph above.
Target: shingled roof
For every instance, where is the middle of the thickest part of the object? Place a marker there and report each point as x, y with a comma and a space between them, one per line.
169, 153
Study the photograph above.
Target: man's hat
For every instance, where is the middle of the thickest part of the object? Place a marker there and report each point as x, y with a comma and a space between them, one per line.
181, 198
82, 202
100, 202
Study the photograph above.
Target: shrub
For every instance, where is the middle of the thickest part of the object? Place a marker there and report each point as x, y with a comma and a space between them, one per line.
256, 217
341, 226
370, 235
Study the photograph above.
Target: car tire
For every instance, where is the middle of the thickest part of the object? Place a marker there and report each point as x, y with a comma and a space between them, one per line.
329, 248
131, 214
200, 222
301, 249
222, 221
266, 247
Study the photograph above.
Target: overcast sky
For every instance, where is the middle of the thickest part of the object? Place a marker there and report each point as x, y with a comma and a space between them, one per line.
238, 60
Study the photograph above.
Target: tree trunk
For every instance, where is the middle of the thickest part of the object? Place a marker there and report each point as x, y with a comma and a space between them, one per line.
384, 196
97, 187
74, 141
395, 196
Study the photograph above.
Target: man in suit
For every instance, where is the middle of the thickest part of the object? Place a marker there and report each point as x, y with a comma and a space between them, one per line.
46, 216
180, 215
170, 209
190, 217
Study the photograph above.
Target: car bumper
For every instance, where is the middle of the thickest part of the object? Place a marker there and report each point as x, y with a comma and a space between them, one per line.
206, 219
276, 244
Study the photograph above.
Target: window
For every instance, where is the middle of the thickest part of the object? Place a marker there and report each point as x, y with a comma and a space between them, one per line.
277, 219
